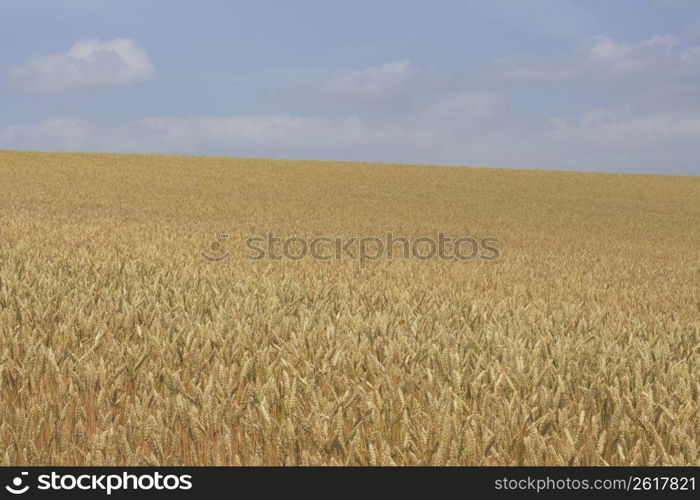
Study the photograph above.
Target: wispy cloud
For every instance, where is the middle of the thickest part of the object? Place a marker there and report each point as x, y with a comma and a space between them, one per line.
57, 133
599, 57
371, 82
88, 63
623, 128
399, 111
620, 139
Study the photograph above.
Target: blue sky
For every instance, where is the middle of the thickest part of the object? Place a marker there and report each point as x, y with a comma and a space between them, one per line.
597, 85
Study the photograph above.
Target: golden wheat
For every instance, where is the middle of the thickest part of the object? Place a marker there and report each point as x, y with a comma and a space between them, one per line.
119, 344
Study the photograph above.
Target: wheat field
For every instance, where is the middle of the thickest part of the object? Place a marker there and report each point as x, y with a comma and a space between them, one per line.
121, 345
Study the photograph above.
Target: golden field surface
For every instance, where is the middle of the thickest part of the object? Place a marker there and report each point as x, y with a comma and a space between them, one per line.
120, 344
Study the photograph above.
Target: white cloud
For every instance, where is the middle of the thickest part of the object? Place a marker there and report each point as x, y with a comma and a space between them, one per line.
463, 107
186, 134
370, 82
197, 133
88, 63
435, 124
622, 140
58, 133
620, 128
617, 140
599, 57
